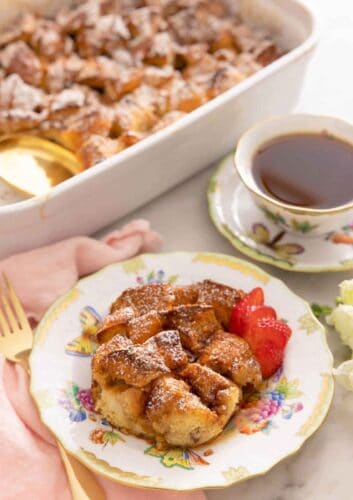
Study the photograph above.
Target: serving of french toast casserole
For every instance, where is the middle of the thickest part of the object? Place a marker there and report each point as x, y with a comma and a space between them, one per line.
166, 368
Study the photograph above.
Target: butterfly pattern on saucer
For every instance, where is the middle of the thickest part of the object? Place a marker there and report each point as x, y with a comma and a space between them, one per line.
85, 345
261, 234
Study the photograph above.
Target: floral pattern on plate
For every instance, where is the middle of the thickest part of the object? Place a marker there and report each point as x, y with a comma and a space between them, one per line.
78, 403
186, 459
80, 407
103, 436
277, 397
156, 277
84, 345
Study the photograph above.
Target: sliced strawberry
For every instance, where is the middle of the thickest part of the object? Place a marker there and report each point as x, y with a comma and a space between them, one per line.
270, 359
255, 297
239, 317
257, 313
259, 326
241, 311
268, 338
269, 329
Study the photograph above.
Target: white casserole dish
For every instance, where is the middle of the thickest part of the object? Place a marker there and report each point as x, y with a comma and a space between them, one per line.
116, 186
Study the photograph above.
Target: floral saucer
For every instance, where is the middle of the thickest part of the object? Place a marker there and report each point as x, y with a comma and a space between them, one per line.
255, 232
271, 424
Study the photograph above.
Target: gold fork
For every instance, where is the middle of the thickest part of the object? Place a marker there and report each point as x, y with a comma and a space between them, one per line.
16, 338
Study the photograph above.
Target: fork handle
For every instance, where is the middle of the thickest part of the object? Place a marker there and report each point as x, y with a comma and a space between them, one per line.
83, 485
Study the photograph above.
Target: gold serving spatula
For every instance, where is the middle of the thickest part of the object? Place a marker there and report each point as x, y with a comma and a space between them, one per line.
32, 165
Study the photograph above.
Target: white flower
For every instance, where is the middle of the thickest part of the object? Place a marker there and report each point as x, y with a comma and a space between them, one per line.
346, 292
341, 319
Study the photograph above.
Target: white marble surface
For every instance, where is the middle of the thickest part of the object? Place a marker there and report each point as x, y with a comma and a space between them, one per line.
322, 470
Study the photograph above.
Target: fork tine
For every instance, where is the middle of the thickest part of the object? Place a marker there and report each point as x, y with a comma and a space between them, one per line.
9, 313
4, 325
16, 304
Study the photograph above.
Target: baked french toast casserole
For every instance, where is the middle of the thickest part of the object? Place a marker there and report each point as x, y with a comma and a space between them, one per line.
102, 75
166, 368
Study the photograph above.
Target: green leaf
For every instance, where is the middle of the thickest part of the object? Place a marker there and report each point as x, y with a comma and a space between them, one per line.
282, 386
303, 227
289, 388
272, 216
150, 276
154, 452
75, 389
112, 437
76, 403
173, 279
321, 309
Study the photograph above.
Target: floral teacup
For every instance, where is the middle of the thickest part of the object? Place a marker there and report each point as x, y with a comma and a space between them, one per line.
303, 220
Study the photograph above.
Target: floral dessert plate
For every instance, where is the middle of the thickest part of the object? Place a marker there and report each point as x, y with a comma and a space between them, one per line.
271, 425
255, 232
